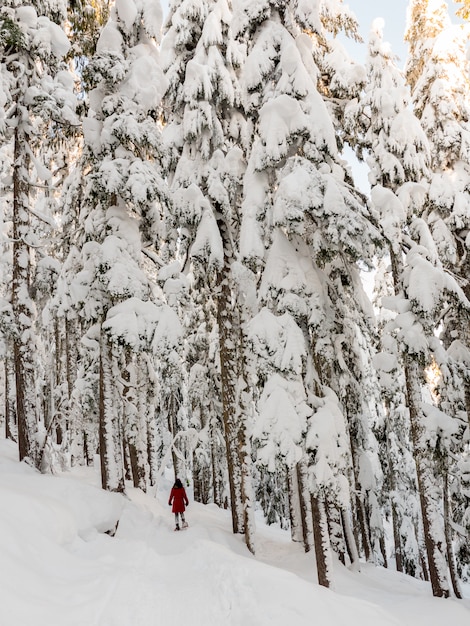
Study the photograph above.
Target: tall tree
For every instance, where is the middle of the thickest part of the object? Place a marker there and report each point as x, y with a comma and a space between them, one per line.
32, 49
119, 212
438, 73
399, 162
205, 142
301, 220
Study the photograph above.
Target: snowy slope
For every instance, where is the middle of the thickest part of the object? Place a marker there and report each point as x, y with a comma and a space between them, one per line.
59, 568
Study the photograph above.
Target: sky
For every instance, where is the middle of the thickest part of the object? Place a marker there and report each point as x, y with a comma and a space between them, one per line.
60, 568
393, 13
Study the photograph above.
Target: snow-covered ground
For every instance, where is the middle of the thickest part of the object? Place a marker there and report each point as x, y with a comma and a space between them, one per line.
60, 568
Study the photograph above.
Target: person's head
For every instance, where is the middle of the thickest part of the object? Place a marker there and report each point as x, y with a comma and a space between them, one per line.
178, 484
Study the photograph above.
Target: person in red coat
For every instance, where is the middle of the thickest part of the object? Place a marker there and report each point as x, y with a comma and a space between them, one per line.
179, 499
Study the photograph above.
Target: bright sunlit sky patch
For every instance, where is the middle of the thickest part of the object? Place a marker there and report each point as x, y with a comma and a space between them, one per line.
394, 14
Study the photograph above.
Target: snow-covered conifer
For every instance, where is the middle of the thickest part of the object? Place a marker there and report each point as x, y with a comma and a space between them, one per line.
119, 211
296, 194
438, 73
204, 135
36, 99
399, 163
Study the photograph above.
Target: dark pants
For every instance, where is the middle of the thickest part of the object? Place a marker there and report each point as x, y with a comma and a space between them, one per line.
177, 518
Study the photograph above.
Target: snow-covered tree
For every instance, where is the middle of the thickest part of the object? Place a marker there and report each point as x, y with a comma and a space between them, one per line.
438, 73
399, 162
38, 100
119, 211
301, 221
204, 134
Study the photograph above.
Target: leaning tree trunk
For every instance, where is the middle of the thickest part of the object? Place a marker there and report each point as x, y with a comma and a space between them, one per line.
22, 305
110, 428
350, 540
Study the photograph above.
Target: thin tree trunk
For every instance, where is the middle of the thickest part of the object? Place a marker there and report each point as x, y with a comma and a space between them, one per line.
396, 537
434, 536
392, 491
305, 505
110, 436
10, 393
294, 505
424, 563
350, 541
363, 526
322, 542
152, 451
335, 531
448, 533
216, 488
22, 305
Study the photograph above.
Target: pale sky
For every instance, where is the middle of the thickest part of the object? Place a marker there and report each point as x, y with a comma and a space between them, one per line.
394, 14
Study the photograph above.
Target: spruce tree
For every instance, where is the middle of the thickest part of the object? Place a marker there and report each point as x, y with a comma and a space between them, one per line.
301, 220
32, 48
119, 210
204, 130
437, 71
399, 163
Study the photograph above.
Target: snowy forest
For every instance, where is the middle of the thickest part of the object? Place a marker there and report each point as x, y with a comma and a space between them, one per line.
191, 277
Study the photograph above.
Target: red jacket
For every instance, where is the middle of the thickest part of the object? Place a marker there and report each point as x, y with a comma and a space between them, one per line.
179, 498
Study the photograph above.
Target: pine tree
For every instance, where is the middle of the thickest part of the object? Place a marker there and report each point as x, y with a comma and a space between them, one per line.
298, 206
204, 131
32, 49
437, 70
119, 209
399, 167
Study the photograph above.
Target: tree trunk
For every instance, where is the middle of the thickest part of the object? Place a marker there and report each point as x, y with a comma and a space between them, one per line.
335, 531
216, 486
363, 526
434, 536
10, 393
305, 505
350, 541
152, 456
24, 343
228, 371
448, 534
295, 513
322, 542
110, 434
134, 428
396, 537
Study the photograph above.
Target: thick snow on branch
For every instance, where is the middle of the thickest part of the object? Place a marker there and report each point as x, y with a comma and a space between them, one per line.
142, 325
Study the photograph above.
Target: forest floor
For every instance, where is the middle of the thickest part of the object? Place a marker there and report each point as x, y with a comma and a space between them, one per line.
60, 568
